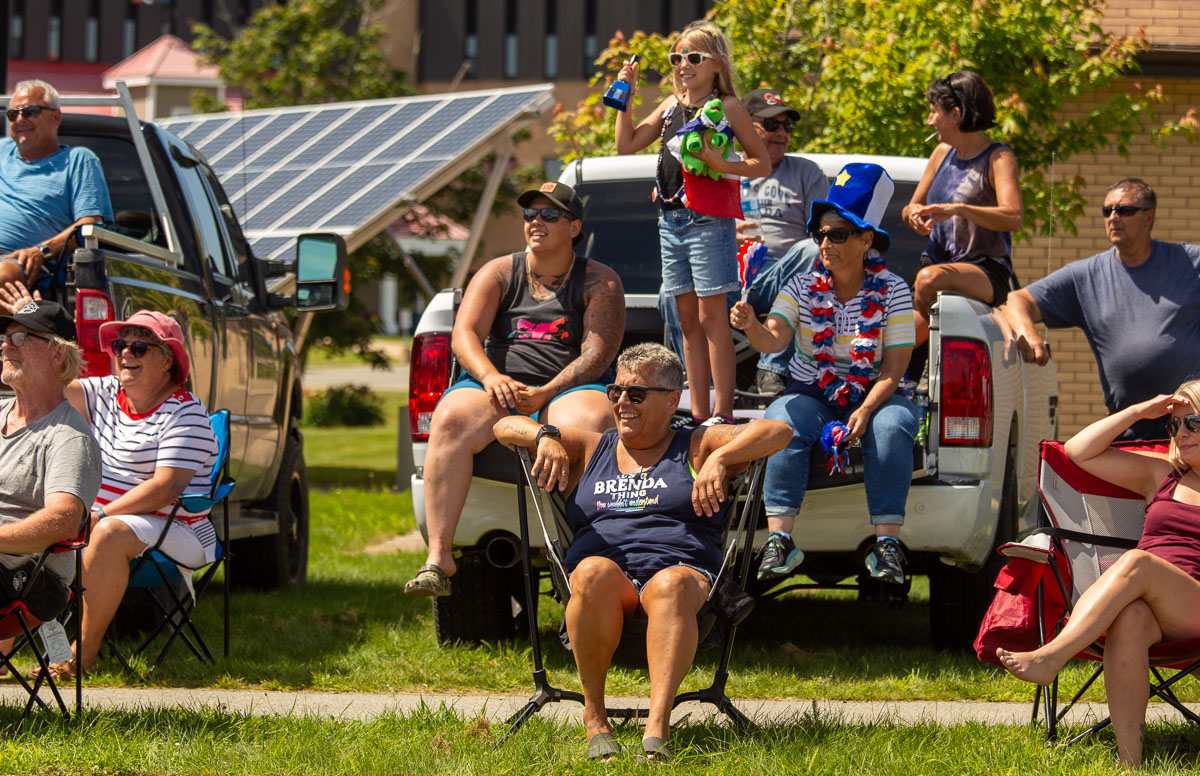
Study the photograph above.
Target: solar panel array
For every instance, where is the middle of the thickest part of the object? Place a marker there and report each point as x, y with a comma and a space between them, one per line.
336, 167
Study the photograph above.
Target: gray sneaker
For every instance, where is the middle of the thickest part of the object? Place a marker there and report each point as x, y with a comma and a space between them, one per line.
885, 561
780, 557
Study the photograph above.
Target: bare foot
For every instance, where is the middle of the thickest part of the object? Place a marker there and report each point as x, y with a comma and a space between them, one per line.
1028, 666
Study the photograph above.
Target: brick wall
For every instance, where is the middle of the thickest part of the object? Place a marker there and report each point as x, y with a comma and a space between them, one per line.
1166, 22
1173, 171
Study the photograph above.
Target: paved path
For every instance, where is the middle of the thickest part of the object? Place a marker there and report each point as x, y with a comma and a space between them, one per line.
497, 708
394, 379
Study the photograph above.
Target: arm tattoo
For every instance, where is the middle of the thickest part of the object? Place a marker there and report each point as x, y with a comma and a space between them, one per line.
603, 328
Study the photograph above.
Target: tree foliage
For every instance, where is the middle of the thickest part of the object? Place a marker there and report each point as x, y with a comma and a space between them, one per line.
857, 71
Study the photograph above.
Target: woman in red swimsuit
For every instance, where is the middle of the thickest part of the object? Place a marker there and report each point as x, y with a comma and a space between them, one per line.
1151, 593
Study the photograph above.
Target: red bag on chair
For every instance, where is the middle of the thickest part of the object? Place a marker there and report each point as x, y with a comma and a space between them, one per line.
1011, 620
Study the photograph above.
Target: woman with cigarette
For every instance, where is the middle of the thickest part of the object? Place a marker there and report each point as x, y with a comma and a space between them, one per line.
968, 201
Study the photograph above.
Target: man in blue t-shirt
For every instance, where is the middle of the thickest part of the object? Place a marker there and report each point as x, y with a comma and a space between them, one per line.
46, 189
1137, 303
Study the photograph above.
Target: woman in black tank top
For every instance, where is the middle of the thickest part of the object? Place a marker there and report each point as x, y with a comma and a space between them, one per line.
535, 334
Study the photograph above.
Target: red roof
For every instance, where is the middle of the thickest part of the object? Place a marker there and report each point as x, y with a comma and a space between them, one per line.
166, 58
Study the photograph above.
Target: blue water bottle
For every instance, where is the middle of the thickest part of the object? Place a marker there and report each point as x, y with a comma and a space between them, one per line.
617, 95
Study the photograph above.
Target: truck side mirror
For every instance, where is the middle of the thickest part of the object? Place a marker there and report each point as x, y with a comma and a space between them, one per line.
322, 276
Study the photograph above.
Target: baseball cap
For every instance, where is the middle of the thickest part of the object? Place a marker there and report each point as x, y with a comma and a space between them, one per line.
766, 103
46, 317
560, 194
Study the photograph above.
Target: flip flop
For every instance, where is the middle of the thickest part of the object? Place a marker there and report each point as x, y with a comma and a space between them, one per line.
59, 671
603, 746
657, 750
429, 581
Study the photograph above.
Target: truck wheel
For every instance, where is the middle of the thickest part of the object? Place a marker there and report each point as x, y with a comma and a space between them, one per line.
280, 560
481, 604
958, 599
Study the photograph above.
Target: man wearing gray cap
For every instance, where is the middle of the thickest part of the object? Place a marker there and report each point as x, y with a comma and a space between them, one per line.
49, 462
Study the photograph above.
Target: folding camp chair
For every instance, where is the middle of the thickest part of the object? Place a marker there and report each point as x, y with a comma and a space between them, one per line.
735, 570
1092, 523
155, 569
18, 623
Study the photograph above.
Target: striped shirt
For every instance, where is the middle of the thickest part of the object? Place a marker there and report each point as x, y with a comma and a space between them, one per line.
175, 434
794, 306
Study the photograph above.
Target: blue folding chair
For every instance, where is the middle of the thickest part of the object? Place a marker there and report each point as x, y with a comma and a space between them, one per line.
155, 569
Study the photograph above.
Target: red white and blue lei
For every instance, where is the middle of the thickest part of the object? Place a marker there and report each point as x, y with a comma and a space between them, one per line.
848, 390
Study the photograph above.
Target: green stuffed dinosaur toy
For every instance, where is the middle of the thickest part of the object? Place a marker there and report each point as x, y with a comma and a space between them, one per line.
710, 121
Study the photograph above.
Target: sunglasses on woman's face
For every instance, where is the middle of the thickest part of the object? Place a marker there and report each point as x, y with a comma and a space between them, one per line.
637, 393
548, 214
770, 125
1192, 422
836, 236
137, 348
694, 58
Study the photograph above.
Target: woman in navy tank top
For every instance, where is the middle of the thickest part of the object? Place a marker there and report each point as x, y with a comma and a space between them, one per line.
1151, 593
968, 201
645, 503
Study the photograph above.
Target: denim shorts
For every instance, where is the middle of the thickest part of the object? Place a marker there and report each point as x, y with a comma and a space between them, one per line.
699, 253
638, 584
468, 381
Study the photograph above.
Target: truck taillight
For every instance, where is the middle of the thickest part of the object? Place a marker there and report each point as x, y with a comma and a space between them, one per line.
966, 395
428, 379
92, 309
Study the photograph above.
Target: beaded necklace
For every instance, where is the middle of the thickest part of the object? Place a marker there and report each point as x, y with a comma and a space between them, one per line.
847, 390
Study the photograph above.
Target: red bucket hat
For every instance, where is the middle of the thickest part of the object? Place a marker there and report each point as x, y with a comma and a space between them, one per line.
161, 326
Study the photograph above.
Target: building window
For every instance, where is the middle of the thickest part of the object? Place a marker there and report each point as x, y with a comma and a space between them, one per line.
471, 37
91, 39
591, 48
129, 31
511, 42
54, 32
550, 55
16, 31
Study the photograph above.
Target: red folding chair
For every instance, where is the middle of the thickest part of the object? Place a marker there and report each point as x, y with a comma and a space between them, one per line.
1092, 523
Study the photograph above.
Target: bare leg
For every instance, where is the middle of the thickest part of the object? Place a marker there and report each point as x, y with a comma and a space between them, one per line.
581, 409
714, 319
780, 523
1171, 595
106, 573
10, 272
1126, 676
695, 351
601, 596
462, 426
672, 598
962, 278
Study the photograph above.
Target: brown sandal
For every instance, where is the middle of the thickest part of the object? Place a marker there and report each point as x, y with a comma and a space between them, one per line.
429, 581
60, 671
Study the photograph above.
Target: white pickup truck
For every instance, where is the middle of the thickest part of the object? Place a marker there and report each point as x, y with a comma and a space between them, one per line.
974, 474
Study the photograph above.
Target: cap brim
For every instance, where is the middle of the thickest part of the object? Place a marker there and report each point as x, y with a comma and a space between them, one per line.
773, 111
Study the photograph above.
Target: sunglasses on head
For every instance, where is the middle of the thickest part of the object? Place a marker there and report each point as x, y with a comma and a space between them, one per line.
771, 125
836, 236
1191, 421
694, 58
28, 112
548, 214
137, 348
17, 338
637, 393
1124, 211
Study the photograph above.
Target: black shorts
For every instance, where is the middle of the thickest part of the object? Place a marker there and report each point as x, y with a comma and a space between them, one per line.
1002, 278
45, 599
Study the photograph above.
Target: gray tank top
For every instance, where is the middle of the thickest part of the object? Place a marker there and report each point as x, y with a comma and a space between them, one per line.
966, 181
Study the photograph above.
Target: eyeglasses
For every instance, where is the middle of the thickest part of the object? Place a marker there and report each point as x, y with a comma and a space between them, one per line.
770, 125
1124, 211
28, 112
637, 393
137, 348
694, 58
836, 236
1191, 421
17, 338
548, 214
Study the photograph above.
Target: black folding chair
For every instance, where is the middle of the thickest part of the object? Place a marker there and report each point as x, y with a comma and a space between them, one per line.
741, 515
18, 623
156, 570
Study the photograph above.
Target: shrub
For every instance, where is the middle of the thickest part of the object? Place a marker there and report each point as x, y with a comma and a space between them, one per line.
344, 405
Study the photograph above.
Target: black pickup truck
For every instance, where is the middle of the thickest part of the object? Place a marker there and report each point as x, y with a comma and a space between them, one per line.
175, 246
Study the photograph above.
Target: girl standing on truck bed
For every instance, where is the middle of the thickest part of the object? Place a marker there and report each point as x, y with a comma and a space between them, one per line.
698, 246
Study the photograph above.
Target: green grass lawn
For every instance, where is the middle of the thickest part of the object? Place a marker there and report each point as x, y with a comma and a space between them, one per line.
355, 456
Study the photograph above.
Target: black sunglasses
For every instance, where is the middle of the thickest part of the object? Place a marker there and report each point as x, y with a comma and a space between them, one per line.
137, 348
770, 125
836, 236
637, 393
17, 338
28, 112
694, 58
1191, 421
548, 214
1124, 211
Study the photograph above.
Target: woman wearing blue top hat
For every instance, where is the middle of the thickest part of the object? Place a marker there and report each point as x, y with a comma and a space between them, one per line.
852, 323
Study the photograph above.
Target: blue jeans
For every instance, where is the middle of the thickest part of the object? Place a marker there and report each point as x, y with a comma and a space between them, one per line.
763, 289
887, 447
